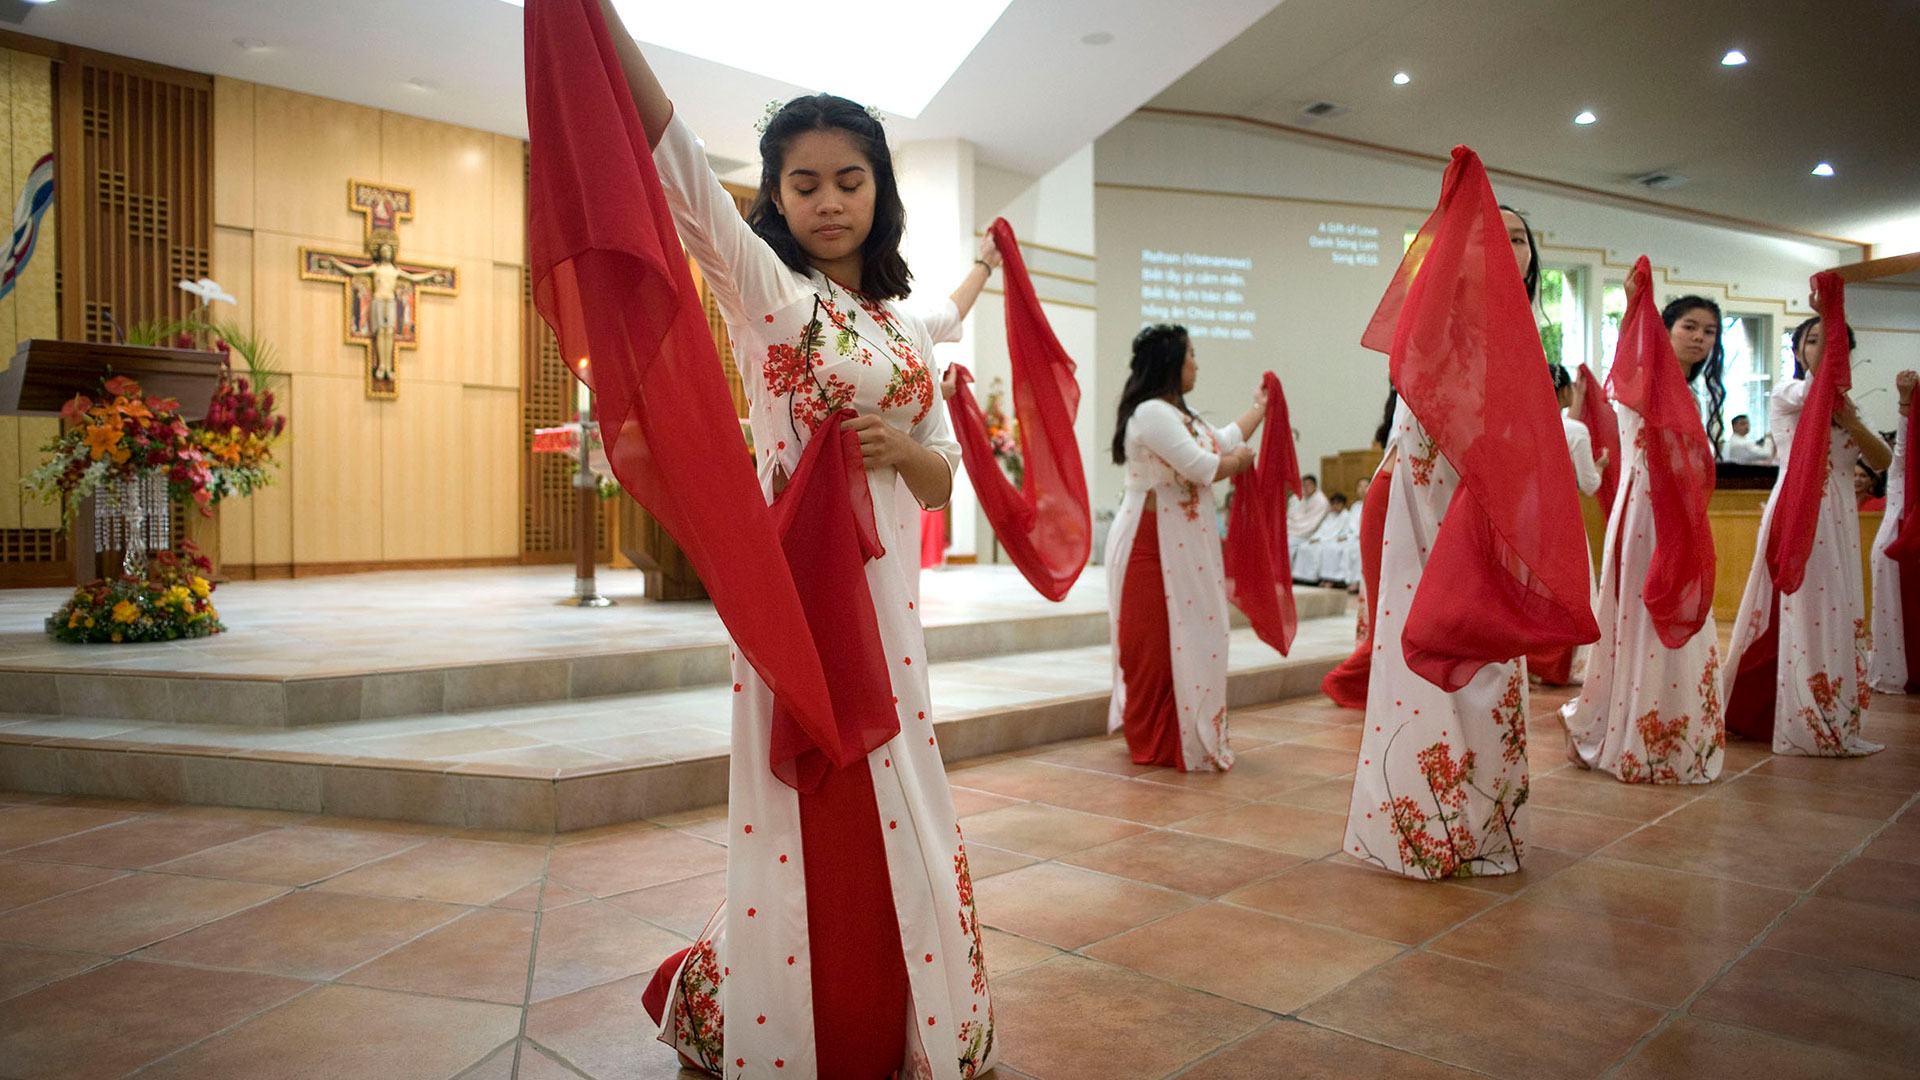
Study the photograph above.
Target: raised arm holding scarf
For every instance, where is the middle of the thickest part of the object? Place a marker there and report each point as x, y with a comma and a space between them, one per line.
1254, 553
848, 945
1483, 558
1043, 524
1795, 672
1649, 711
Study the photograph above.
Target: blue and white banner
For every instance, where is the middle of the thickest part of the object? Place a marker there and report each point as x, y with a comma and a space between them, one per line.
35, 197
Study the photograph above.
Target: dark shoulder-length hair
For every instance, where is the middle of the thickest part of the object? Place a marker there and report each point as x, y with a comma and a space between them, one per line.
1532, 277
883, 274
1800, 335
1159, 354
1713, 368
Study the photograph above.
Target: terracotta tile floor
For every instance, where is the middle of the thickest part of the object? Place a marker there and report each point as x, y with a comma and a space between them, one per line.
1141, 924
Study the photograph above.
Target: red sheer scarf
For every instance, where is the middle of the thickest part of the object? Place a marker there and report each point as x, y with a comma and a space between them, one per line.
1044, 524
610, 277
1796, 511
1258, 569
1646, 378
1597, 414
1510, 564
1347, 684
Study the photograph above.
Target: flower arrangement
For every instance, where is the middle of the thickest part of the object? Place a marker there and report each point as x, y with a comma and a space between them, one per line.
1003, 434
237, 434
119, 437
174, 600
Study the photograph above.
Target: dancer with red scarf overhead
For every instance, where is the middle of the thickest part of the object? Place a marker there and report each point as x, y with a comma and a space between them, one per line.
1441, 778
1650, 709
1896, 560
1796, 672
848, 945
1166, 586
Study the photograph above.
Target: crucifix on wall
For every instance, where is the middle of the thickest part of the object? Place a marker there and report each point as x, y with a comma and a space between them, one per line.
382, 291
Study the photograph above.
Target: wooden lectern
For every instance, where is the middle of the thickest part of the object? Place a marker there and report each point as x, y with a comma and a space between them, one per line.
44, 375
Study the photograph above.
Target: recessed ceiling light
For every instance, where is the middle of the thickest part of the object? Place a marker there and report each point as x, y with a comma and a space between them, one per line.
1734, 58
419, 83
39, 1
251, 44
1823, 169
1401, 78
1098, 37
1585, 118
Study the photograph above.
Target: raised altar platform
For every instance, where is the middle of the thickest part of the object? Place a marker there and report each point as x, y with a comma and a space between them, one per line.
471, 698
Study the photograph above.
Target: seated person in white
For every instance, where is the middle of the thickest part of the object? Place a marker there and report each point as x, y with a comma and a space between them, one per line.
1319, 559
1305, 512
1744, 451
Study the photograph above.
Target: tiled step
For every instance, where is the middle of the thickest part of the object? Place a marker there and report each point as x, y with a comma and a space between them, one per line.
295, 680
563, 766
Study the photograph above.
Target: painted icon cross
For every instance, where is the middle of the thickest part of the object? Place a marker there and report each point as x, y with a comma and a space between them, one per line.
383, 291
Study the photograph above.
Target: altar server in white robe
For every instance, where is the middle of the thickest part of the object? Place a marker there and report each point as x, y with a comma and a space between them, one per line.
1305, 512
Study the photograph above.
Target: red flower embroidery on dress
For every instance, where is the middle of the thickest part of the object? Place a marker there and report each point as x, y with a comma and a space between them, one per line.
697, 1019
1422, 463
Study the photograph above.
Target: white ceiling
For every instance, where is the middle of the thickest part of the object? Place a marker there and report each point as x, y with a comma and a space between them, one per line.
1030, 94
1829, 80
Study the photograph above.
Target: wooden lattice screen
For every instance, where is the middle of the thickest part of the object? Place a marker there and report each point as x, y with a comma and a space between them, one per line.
133, 153
547, 400
135, 191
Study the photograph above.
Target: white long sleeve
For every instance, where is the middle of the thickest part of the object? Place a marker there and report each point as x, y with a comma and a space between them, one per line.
1586, 472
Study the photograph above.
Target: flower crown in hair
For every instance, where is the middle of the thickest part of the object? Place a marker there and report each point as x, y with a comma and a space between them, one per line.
776, 105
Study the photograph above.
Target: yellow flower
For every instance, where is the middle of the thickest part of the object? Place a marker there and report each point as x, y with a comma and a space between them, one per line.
125, 611
179, 595
200, 587
73, 620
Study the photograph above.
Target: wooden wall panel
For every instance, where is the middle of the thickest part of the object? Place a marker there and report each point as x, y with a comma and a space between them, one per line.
509, 199
422, 461
451, 172
490, 468
508, 329
236, 533
337, 473
306, 320
306, 149
233, 269
233, 161
456, 332
434, 474
273, 506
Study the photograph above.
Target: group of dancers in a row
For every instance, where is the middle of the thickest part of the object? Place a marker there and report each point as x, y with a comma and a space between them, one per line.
1441, 780
849, 944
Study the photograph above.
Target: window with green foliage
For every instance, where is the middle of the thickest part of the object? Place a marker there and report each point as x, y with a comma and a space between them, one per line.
1564, 334
1613, 308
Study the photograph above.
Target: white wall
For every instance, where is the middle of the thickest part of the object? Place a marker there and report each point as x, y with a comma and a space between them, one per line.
1335, 389
936, 179
1886, 320
1053, 219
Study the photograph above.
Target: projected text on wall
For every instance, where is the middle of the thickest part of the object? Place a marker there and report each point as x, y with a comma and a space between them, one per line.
1205, 293
1347, 243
